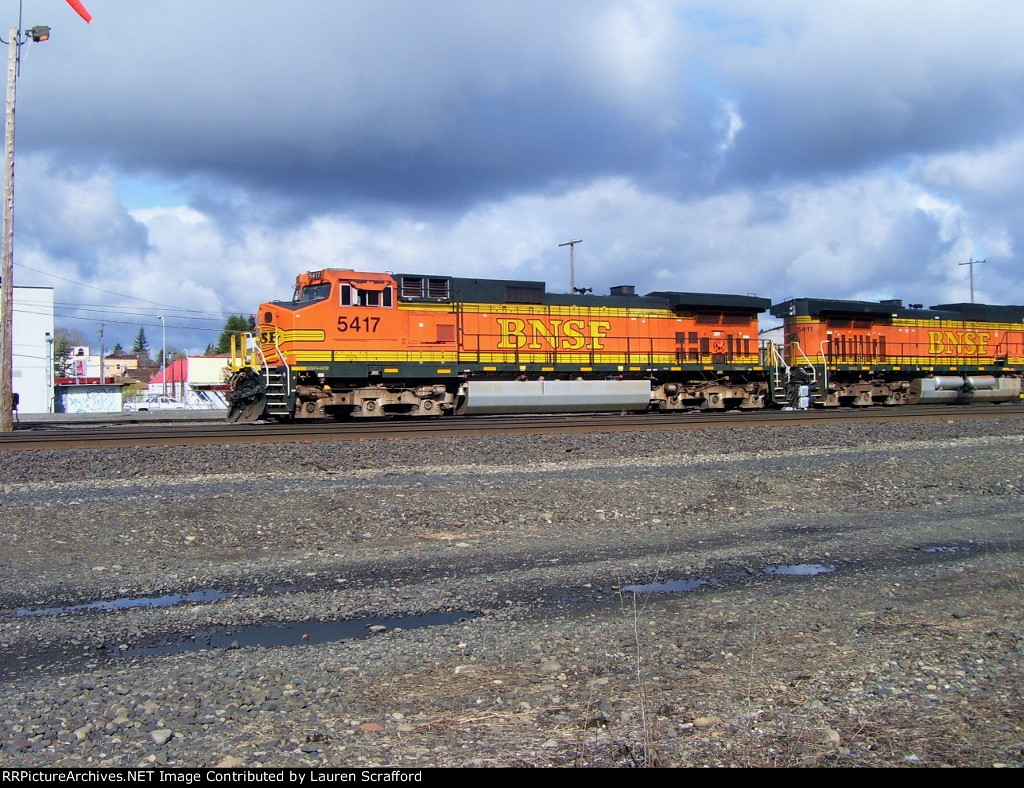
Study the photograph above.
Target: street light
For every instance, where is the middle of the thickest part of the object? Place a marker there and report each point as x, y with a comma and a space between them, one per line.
163, 352
184, 376
14, 43
49, 372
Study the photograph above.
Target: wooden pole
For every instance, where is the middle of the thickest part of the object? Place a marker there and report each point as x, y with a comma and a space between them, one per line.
7, 285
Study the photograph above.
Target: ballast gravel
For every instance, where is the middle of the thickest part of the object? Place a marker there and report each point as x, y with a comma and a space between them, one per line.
844, 595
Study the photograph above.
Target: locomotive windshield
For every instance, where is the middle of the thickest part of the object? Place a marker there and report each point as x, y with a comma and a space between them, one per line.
309, 293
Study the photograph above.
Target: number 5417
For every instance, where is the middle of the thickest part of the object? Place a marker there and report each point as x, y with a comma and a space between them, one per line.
366, 323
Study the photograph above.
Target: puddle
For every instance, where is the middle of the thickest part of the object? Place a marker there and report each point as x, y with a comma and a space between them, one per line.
126, 603
669, 586
944, 549
805, 570
294, 634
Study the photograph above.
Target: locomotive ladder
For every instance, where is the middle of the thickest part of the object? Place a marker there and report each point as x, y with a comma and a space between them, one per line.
779, 374
778, 380
247, 354
278, 385
277, 395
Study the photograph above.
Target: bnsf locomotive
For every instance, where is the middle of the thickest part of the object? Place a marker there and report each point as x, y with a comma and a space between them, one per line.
358, 344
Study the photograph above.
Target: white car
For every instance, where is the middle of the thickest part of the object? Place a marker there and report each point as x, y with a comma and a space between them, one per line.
153, 402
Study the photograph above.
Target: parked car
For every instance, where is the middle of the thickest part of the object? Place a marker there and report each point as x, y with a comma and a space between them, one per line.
153, 402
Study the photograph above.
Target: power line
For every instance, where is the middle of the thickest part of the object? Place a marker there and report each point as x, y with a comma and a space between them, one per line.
122, 295
68, 308
40, 311
135, 323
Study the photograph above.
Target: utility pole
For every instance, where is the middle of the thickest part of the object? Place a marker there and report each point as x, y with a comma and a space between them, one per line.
50, 382
163, 352
572, 263
7, 283
14, 42
102, 377
972, 262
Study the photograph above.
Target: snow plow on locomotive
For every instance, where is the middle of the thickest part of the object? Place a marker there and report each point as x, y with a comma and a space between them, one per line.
366, 345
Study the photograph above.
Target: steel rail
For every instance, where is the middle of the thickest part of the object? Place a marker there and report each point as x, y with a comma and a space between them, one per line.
155, 432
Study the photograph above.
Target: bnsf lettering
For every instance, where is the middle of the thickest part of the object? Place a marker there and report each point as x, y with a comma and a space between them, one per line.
958, 343
535, 334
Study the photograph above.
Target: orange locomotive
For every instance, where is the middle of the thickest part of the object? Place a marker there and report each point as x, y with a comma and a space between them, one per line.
865, 353
361, 344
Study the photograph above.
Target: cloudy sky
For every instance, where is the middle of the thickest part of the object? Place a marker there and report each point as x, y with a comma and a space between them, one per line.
188, 158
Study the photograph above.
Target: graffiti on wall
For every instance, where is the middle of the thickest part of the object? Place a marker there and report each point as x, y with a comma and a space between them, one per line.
91, 400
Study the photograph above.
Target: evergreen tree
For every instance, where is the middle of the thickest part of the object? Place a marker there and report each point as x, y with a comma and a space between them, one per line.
141, 346
117, 351
235, 324
61, 356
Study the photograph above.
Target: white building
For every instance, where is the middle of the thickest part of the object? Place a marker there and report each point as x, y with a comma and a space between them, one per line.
198, 381
32, 336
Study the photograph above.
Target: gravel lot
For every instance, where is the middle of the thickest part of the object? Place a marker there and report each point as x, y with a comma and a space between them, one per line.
842, 595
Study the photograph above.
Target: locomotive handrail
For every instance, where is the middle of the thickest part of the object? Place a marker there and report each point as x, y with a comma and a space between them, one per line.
284, 363
266, 364
240, 352
1002, 345
810, 364
774, 358
243, 355
824, 364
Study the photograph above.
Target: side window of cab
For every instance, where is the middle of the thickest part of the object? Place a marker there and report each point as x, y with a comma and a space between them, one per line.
350, 295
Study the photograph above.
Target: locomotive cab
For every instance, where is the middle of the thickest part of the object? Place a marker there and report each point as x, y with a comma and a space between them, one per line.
319, 345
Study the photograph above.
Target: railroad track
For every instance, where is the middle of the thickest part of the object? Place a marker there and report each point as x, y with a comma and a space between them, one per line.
91, 433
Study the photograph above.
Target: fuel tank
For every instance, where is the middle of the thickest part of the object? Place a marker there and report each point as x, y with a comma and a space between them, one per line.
554, 396
973, 388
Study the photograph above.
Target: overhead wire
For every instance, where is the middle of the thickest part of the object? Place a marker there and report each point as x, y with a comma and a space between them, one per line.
214, 315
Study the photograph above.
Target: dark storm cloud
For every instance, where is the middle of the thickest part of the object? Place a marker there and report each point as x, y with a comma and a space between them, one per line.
827, 149
453, 102
68, 217
446, 106
787, 137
